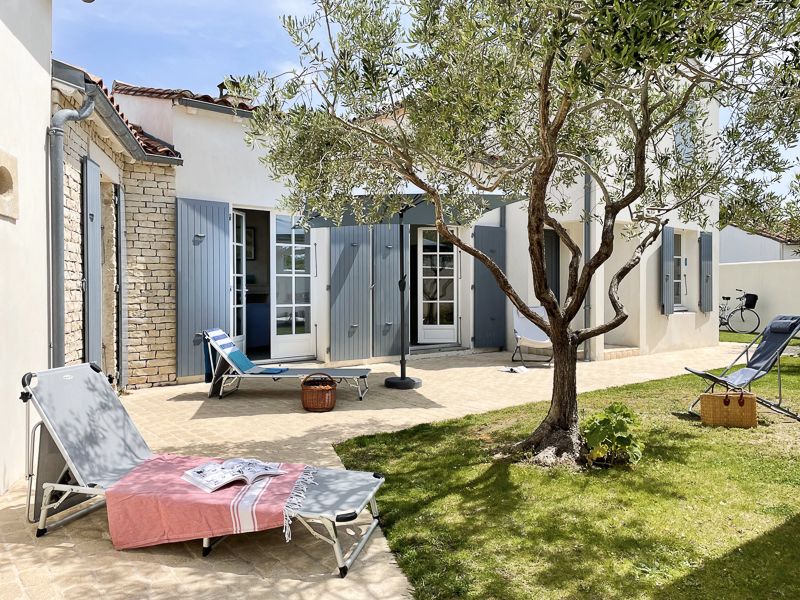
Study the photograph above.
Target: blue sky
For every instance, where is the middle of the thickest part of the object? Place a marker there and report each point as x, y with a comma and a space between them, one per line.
190, 44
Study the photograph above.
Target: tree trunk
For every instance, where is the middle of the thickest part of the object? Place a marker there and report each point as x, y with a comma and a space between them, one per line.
557, 439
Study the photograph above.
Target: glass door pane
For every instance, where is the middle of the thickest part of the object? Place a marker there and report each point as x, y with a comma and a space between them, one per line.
437, 288
292, 289
238, 281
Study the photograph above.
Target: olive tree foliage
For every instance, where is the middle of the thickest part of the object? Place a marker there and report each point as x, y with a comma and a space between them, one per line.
458, 98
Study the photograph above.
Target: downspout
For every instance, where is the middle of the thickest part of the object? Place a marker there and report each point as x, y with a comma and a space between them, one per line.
587, 248
55, 134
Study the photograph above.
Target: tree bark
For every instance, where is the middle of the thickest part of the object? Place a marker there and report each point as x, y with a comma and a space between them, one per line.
557, 439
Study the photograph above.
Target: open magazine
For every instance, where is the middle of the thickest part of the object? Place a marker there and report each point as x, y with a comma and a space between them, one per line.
211, 476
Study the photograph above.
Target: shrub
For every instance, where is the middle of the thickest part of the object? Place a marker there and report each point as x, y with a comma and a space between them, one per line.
611, 438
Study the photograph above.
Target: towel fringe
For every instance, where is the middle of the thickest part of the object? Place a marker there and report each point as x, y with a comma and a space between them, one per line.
296, 498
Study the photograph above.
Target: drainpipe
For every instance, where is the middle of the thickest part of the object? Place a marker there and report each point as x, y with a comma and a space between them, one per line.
55, 134
587, 248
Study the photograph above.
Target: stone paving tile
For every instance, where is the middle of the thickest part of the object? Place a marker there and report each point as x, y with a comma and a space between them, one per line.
266, 420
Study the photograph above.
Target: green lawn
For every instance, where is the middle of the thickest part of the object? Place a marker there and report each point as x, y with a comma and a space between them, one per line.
745, 338
709, 513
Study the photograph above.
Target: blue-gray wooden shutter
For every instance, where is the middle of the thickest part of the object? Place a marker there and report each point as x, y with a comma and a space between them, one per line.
92, 265
203, 277
706, 272
350, 292
385, 293
552, 265
122, 292
667, 271
489, 314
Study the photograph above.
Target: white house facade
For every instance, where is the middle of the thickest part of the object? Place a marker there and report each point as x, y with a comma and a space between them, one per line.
331, 294
25, 45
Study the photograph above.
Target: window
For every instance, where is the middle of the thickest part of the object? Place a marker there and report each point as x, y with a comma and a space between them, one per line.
683, 137
292, 277
679, 275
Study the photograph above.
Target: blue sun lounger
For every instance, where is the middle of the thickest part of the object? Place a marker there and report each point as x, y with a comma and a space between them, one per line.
770, 345
226, 366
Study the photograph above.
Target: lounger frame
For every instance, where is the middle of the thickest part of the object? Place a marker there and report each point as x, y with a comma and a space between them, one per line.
775, 359
344, 560
90, 491
231, 377
67, 491
520, 322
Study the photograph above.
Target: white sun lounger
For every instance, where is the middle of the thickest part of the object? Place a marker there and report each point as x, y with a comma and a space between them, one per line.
227, 365
94, 443
529, 335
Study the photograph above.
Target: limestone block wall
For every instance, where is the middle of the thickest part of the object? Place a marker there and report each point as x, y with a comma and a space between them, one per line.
150, 212
78, 137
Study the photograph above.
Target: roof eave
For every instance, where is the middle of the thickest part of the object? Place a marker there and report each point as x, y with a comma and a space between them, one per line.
218, 108
79, 79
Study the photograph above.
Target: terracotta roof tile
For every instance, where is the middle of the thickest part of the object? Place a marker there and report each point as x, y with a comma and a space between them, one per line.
150, 144
231, 101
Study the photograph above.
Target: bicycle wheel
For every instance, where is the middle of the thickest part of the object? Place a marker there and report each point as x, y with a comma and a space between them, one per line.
744, 320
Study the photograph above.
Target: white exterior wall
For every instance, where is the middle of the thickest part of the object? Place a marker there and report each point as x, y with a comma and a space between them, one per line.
217, 164
154, 114
680, 330
25, 45
777, 284
737, 246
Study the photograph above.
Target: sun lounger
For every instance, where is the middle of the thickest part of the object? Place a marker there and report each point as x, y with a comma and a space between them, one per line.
227, 365
529, 335
105, 458
770, 345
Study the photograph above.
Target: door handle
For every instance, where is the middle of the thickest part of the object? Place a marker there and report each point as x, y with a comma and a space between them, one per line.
353, 324
389, 323
200, 235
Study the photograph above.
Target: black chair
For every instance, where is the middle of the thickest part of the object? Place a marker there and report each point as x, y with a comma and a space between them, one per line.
771, 344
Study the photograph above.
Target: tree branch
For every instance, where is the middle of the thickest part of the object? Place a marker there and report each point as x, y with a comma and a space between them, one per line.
613, 289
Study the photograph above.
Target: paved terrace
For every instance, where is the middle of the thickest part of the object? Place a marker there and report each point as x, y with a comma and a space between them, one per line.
266, 420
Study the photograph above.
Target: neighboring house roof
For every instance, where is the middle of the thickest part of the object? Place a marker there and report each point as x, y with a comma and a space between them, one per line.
228, 102
775, 236
140, 144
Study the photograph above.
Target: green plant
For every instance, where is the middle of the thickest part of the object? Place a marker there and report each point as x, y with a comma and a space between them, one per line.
611, 438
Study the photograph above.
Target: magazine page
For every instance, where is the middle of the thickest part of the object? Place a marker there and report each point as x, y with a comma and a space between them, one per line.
251, 468
210, 476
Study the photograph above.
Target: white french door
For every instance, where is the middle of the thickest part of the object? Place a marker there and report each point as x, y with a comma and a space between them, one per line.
291, 328
437, 288
238, 281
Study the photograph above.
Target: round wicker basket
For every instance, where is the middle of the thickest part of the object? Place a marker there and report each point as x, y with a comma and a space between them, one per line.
318, 392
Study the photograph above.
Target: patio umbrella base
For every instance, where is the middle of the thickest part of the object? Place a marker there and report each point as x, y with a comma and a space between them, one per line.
402, 383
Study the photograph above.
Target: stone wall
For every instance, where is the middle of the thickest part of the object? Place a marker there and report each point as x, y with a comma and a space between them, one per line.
77, 138
150, 211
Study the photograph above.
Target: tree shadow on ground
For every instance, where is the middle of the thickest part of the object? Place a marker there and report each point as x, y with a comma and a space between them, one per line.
439, 476
764, 567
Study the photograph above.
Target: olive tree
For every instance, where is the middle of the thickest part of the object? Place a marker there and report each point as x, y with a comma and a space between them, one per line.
459, 98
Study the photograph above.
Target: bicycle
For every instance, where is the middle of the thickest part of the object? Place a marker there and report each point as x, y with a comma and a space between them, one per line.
742, 318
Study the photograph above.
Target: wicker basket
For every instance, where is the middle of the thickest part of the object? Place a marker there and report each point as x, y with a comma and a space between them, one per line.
732, 409
318, 392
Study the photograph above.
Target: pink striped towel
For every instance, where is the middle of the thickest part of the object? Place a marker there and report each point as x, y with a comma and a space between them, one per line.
153, 505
